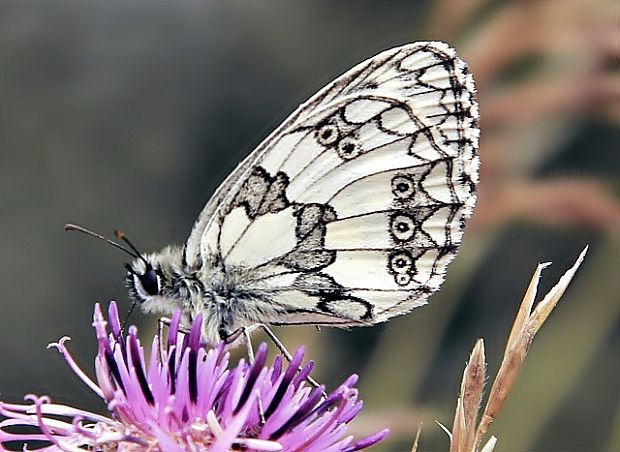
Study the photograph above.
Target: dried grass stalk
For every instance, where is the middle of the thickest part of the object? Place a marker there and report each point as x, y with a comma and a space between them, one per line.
467, 432
525, 328
469, 401
416, 441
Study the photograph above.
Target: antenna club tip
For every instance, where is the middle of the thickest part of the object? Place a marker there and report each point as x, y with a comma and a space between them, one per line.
119, 234
134, 253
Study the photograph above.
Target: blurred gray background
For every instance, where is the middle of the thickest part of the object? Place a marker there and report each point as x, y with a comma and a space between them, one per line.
127, 115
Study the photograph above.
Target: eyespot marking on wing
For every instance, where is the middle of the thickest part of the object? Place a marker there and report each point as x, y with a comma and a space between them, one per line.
403, 187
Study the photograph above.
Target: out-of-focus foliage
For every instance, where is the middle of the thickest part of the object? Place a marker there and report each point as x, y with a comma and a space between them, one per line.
129, 114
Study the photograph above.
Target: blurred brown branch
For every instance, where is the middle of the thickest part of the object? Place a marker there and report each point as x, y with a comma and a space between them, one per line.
542, 68
556, 202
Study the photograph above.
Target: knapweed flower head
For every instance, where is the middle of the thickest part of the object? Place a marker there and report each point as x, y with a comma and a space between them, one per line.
186, 398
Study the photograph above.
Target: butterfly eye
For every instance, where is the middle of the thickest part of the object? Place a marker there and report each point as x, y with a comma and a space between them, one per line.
151, 282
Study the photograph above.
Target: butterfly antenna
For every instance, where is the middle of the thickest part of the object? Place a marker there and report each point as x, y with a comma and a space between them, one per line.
124, 325
121, 235
75, 227
132, 251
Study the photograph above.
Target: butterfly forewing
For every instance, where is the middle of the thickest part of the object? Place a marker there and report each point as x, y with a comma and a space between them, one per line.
351, 210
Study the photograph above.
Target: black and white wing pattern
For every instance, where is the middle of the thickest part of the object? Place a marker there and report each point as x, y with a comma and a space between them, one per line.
350, 211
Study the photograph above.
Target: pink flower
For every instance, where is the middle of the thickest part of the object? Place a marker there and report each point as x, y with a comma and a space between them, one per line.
185, 397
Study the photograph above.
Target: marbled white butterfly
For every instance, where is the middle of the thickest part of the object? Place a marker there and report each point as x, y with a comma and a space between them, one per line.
346, 215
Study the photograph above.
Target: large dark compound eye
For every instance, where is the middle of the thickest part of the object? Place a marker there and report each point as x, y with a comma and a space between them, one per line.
147, 284
150, 281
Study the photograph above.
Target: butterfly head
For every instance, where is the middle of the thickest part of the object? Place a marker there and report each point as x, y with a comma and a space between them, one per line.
144, 276
144, 283
155, 281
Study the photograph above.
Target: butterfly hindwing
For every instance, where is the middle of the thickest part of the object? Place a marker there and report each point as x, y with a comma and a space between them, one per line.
351, 210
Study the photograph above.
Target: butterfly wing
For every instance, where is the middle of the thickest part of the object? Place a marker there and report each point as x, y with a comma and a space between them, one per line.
350, 211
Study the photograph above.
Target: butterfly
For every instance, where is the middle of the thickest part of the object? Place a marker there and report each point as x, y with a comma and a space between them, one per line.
346, 215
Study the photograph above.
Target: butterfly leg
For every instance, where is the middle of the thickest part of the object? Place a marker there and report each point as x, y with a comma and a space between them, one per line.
160, 334
250, 349
278, 343
229, 338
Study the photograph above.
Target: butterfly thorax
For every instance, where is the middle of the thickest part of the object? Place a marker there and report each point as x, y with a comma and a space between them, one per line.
222, 294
